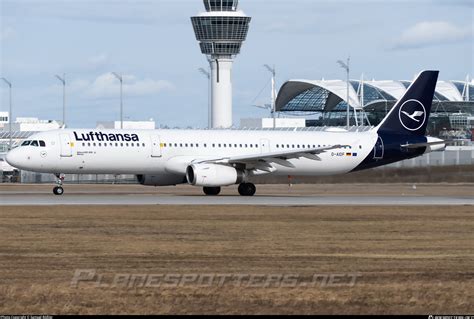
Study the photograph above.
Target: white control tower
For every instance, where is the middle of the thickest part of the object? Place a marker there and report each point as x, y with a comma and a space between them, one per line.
220, 32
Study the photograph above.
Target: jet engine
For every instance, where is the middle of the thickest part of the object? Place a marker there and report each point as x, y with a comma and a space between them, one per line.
161, 180
213, 175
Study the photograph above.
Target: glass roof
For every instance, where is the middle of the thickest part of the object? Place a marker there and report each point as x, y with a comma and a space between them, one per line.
311, 100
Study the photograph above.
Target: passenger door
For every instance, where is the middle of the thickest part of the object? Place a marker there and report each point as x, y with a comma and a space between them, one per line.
379, 149
66, 145
156, 146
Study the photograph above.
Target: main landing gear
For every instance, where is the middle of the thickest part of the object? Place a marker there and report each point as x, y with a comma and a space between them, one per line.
59, 190
245, 189
212, 191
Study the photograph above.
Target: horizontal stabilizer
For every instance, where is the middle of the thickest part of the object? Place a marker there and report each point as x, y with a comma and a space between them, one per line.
418, 145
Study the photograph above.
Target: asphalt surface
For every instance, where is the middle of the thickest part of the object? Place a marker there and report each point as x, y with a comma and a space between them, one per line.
41, 198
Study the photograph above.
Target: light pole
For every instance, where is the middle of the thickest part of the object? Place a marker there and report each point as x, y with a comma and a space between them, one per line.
120, 78
207, 74
346, 66
9, 112
63, 81
272, 70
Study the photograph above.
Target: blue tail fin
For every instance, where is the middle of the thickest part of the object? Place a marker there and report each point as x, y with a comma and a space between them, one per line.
411, 113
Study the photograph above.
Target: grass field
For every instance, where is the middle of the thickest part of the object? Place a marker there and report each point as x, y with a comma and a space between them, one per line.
409, 259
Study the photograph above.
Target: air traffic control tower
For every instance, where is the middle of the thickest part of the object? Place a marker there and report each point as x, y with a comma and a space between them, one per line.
220, 32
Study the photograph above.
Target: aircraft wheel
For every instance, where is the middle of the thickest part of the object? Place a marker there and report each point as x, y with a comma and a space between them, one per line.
212, 191
58, 190
247, 189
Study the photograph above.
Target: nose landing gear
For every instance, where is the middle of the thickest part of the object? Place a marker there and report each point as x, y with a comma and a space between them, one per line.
59, 190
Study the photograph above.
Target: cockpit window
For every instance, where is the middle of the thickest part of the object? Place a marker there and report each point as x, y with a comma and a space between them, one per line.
25, 143
42, 143
34, 143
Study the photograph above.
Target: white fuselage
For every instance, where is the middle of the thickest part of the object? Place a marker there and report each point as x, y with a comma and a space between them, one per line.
171, 151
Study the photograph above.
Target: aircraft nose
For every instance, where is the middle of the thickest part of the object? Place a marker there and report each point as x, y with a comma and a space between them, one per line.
12, 158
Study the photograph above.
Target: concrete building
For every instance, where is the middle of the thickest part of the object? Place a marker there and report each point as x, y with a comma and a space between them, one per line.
267, 123
3, 118
128, 125
33, 124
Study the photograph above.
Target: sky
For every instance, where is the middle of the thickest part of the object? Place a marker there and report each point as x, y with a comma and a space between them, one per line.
152, 43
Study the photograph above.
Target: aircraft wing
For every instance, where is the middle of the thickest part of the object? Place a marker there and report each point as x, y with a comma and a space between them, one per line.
279, 157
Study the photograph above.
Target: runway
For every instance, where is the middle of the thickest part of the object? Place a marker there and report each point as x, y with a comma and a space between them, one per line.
22, 199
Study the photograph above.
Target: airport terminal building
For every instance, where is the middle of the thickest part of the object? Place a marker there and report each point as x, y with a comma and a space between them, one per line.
323, 103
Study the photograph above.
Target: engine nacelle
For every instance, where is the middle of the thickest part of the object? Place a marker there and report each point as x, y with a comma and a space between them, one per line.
161, 180
213, 175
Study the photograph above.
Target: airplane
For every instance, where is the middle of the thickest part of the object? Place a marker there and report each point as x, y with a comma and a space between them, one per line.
215, 158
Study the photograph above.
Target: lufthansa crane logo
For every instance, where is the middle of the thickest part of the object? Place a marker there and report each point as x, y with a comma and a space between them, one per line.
412, 115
